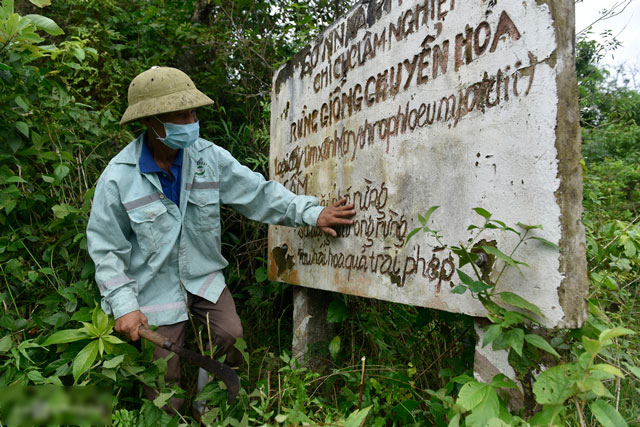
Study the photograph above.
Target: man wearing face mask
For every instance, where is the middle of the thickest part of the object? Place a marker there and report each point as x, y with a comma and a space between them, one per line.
154, 231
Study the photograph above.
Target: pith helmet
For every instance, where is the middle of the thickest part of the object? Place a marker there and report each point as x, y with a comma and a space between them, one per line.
162, 90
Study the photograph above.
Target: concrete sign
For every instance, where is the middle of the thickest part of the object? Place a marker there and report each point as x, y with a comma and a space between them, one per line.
404, 105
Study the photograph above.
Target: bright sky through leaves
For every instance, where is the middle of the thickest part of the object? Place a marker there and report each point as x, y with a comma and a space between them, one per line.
625, 27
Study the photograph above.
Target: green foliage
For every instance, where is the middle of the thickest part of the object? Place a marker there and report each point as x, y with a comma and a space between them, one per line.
580, 382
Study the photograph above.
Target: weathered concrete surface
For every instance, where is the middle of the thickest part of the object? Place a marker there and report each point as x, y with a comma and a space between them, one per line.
471, 104
310, 327
488, 363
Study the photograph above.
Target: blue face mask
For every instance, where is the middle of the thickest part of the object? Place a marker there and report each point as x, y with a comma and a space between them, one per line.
179, 136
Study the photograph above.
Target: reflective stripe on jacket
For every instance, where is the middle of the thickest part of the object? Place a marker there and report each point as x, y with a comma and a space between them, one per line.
144, 246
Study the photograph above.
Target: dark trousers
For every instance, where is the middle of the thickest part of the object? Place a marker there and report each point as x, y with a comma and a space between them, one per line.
225, 328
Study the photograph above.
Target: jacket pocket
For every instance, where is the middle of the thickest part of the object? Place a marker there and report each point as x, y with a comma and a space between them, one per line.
203, 209
146, 222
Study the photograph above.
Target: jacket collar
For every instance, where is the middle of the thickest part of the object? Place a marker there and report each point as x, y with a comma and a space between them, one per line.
131, 153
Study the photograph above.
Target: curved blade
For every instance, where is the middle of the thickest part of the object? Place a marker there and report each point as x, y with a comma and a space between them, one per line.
220, 370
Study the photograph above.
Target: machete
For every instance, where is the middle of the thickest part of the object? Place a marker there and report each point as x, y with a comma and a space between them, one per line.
220, 370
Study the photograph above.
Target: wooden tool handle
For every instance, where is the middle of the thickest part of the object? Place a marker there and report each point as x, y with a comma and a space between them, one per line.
154, 337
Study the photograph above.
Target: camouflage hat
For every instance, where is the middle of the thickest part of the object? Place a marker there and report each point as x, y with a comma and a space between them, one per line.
162, 90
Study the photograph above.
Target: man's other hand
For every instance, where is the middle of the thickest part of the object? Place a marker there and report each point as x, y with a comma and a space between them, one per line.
129, 324
336, 214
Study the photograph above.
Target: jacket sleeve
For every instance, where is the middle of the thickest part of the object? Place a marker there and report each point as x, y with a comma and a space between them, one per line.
109, 247
261, 200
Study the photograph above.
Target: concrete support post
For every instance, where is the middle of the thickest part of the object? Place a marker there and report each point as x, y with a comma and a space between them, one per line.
310, 307
488, 363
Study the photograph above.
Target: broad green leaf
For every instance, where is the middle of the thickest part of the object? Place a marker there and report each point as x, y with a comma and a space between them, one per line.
558, 383
605, 367
610, 283
46, 24
78, 53
460, 289
489, 408
57, 320
515, 339
5, 343
592, 346
209, 391
152, 414
413, 233
613, 333
241, 345
35, 376
41, 3
474, 285
83, 361
112, 339
60, 172
501, 255
261, 274
634, 370
337, 312
482, 212
472, 394
63, 210
162, 399
465, 256
91, 330
543, 418
491, 334
14, 179
21, 103
68, 335
23, 128
357, 417
110, 373
511, 318
334, 347
502, 381
517, 301
496, 422
479, 287
14, 141
546, 242
594, 385
12, 25
607, 414
100, 320
112, 363
629, 248
7, 6
455, 421
466, 279
541, 343
430, 212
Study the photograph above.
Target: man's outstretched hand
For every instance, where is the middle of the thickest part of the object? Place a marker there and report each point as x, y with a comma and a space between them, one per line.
336, 214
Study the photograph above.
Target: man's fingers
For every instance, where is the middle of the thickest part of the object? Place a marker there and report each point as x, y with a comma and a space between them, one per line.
341, 221
330, 231
351, 212
340, 202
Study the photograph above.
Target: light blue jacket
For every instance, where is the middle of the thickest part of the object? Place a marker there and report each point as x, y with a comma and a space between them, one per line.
145, 247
